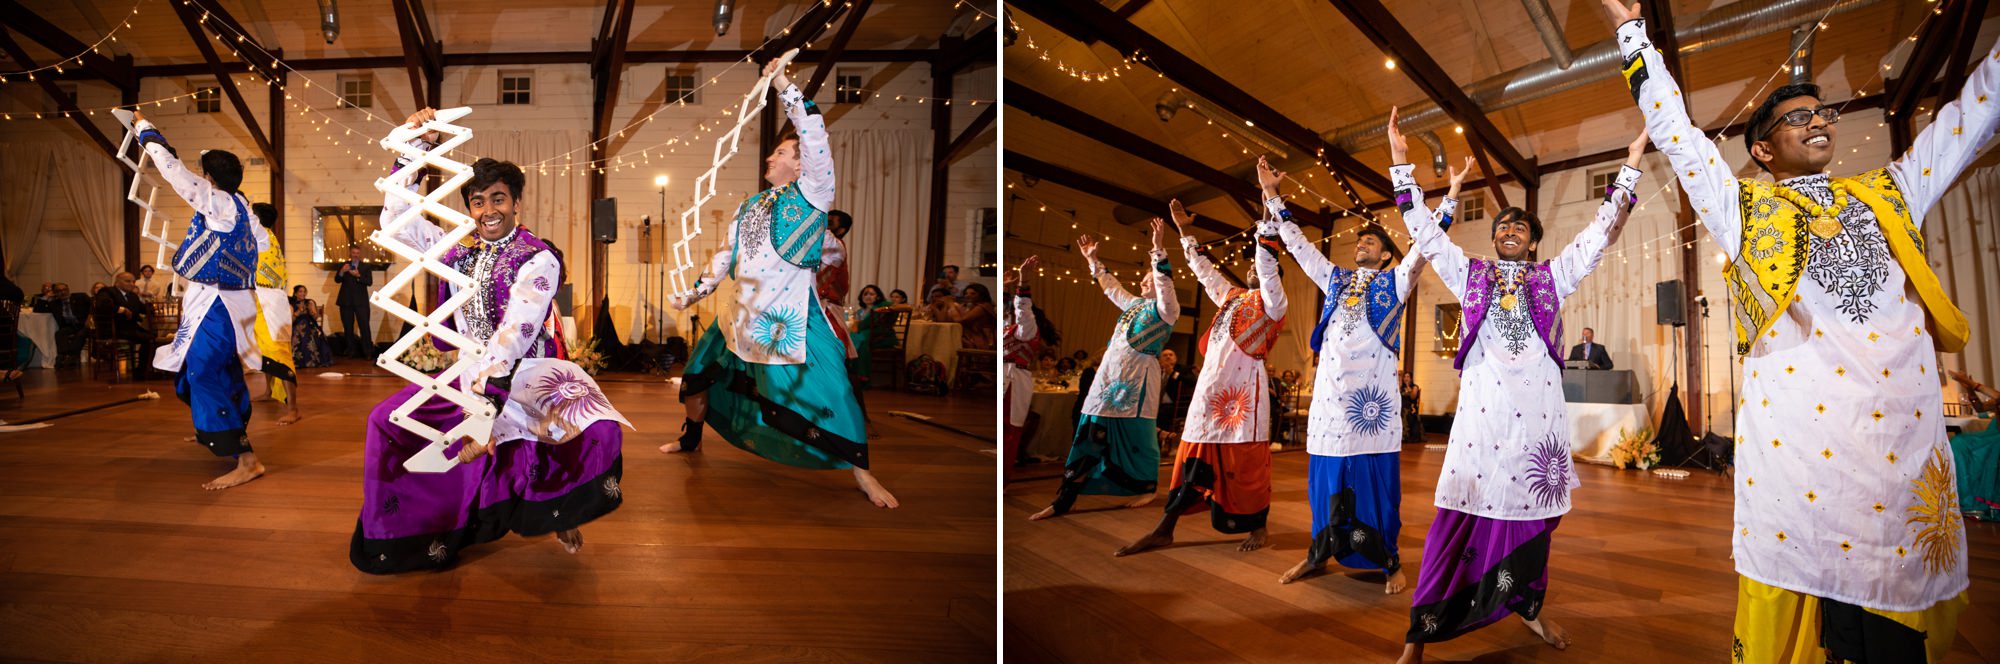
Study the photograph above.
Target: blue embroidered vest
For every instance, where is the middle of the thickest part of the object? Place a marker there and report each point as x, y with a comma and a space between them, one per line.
797, 228
1385, 310
224, 260
1143, 328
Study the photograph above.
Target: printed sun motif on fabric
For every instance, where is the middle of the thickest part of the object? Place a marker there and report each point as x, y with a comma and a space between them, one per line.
1515, 324
1766, 241
1120, 394
1548, 471
437, 551
611, 489
1939, 525
779, 330
1230, 405
1358, 537
1369, 409
569, 396
1505, 581
1430, 623
1853, 265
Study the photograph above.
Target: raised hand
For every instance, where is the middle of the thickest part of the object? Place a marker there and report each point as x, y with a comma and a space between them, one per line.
1268, 178
1620, 13
1180, 215
1458, 177
418, 119
1087, 246
1159, 234
1637, 149
776, 71
1399, 148
1015, 275
137, 117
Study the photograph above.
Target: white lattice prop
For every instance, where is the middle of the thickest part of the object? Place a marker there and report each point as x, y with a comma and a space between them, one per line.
142, 180
704, 186
479, 412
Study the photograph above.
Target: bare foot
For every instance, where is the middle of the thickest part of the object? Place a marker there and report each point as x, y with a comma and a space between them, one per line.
1396, 583
1152, 540
242, 473
572, 540
1254, 542
1299, 571
670, 448
1550, 632
1141, 501
873, 487
290, 417
1045, 513
1412, 654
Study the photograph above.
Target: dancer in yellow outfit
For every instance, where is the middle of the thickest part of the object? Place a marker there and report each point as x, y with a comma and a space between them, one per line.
274, 319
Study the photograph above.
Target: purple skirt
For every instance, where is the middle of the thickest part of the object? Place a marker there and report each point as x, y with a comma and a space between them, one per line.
1477, 570
423, 520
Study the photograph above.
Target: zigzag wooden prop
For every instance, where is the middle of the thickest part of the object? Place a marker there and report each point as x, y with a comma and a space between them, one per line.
479, 412
142, 179
704, 186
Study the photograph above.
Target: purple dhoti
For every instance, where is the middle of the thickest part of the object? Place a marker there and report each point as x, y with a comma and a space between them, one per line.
423, 520
1475, 571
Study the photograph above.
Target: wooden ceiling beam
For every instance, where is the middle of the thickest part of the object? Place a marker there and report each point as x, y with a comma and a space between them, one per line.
192, 21
63, 102
1026, 165
962, 145
838, 47
58, 41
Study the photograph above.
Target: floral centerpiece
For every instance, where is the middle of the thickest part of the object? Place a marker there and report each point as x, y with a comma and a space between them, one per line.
1636, 449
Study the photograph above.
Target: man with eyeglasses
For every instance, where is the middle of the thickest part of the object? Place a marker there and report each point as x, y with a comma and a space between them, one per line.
1848, 540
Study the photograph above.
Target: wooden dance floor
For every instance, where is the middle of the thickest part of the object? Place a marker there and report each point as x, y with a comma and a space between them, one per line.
111, 550
1640, 572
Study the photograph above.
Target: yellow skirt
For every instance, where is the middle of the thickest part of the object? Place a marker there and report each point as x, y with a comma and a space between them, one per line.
1778, 625
276, 347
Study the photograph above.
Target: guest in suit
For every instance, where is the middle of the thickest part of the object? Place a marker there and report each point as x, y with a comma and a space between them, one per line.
354, 281
72, 312
1592, 351
127, 311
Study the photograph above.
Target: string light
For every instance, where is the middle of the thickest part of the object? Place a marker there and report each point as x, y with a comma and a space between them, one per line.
78, 59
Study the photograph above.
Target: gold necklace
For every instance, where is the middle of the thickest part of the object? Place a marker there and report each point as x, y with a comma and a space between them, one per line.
1510, 285
1355, 285
1824, 222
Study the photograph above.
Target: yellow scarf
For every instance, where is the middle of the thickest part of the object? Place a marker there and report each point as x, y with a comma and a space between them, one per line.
1765, 274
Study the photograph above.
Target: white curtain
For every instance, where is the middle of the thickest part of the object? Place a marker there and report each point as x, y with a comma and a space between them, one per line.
90, 183
884, 181
1964, 248
23, 199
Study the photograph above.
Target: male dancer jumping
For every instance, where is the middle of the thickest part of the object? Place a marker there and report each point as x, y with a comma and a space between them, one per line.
1847, 534
215, 344
1507, 477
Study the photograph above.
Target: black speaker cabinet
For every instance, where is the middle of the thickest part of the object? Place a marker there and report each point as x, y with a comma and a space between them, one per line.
1670, 303
604, 220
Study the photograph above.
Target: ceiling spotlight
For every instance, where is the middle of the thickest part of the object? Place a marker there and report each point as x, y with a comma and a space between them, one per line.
329, 20
724, 9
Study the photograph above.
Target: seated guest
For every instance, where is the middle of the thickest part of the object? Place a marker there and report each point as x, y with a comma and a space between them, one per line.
1982, 397
41, 298
899, 300
940, 306
1046, 367
977, 315
152, 287
1591, 351
130, 315
1065, 366
309, 346
72, 312
96, 287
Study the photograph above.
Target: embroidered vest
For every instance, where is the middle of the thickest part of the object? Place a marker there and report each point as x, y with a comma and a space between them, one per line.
1143, 328
1252, 330
486, 312
224, 260
1385, 310
1538, 295
1765, 274
271, 267
796, 226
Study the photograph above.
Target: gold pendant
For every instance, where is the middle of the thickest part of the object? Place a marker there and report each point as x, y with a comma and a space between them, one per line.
1353, 300
1825, 226
1508, 301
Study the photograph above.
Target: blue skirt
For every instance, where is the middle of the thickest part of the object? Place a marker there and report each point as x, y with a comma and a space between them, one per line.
1355, 515
801, 415
211, 384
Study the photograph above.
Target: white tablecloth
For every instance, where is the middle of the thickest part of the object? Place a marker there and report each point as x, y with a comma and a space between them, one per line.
941, 341
1057, 427
1594, 427
40, 329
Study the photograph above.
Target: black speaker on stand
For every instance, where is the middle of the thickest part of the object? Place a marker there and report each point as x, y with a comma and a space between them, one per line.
1669, 303
604, 220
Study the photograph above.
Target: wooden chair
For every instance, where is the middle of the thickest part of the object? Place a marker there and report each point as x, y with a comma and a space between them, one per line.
890, 360
1295, 412
976, 367
10, 337
106, 346
166, 320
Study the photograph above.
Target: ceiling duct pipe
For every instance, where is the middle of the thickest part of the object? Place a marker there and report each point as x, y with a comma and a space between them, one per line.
1430, 140
1170, 102
724, 11
329, 20
1552, 32
1802, 49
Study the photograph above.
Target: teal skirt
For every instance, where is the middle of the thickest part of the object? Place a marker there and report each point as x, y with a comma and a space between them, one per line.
1978, 458
801, 415
1114, 456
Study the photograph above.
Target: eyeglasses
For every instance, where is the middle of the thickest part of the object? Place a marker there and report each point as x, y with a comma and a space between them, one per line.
1800, 117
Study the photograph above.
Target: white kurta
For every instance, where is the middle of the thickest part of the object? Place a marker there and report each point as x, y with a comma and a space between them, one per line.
219, 212
1128, 381
1019, 380
529, 299
1232, 400
1356, 403
1509, 456
773, 296
1844, 486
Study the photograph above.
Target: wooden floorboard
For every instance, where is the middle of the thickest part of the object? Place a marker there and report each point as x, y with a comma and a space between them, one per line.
110, 549
1640, 572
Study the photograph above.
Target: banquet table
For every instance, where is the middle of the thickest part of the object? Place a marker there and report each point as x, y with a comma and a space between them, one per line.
40, 329
1594, 427
941, 341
